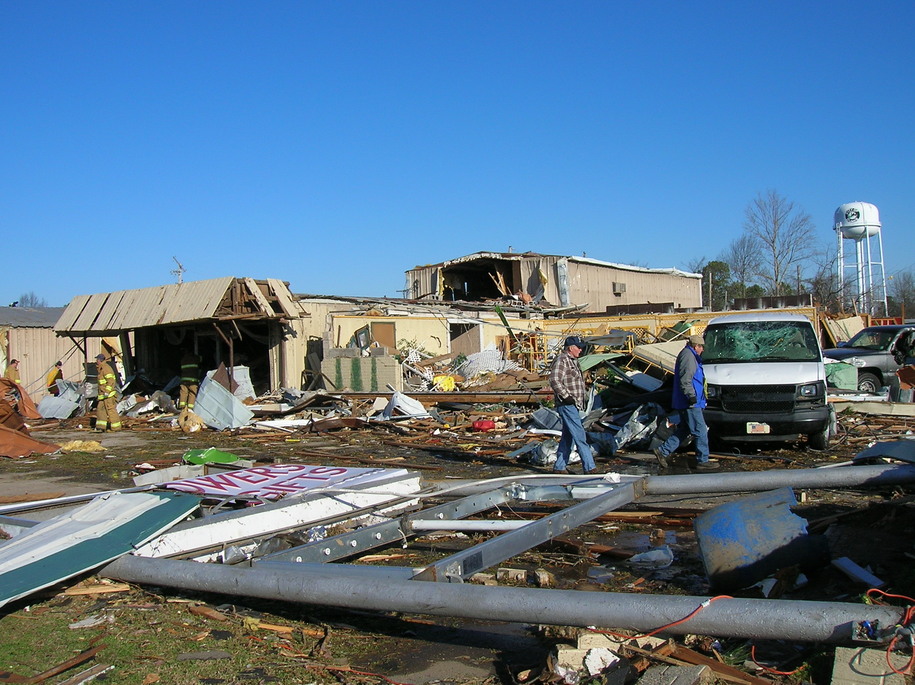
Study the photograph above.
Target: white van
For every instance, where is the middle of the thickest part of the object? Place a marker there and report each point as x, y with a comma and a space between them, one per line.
766, 379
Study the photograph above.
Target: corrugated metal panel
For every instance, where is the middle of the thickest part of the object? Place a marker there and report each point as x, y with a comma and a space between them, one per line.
181, 303
112, 303
68, 320
593, 283
129, 309
28, 317
124, 307
39, 348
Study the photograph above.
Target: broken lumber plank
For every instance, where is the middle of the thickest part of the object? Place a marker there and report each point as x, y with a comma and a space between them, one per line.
723, 671
97, 589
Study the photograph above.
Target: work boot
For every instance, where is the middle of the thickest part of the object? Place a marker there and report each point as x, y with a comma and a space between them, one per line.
662, 460
561, 472
707, 466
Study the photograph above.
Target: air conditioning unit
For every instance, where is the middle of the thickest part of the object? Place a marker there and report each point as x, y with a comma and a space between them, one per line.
619, 288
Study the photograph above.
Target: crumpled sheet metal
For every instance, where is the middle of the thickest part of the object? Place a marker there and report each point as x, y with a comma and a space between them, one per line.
15, 444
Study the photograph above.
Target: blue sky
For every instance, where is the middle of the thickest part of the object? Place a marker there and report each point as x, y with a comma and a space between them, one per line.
337, 144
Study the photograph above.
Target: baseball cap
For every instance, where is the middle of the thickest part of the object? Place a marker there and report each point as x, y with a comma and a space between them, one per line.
696, 340
576, 341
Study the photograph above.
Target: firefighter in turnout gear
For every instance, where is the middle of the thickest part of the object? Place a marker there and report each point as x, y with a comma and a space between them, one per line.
190, 375
106, 416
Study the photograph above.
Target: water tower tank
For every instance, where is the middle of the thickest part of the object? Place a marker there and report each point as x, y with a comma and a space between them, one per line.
857, 220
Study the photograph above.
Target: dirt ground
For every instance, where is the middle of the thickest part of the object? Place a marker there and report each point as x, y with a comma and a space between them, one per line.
871, 526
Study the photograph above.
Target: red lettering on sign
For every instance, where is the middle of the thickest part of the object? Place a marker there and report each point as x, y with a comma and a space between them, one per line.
328, 470
217, 482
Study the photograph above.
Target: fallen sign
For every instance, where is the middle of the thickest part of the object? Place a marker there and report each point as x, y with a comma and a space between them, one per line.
306, 495
273, 482
62, 547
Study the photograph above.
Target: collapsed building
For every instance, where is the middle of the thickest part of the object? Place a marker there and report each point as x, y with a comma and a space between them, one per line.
480, 301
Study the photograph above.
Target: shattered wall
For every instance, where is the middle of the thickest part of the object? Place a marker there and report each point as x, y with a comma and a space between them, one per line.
553, 280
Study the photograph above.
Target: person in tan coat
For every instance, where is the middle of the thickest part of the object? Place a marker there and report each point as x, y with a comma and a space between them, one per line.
106, 413
12, 371
55, 375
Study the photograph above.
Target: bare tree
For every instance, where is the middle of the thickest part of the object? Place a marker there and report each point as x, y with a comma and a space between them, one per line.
696, 265
30, 299
902, 291
785, 233
742, 256
823, 284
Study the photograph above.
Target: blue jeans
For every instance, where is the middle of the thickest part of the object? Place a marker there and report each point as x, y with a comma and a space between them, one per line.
572, 433
692, 422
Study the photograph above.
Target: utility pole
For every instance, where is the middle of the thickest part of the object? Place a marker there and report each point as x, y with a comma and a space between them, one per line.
709, 274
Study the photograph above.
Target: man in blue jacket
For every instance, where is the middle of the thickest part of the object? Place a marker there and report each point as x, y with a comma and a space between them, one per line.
689, 400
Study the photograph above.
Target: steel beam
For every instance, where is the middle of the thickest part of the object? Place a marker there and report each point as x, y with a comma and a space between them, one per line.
458, 567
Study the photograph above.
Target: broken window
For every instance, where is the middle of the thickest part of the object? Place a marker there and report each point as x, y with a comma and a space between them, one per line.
760, 341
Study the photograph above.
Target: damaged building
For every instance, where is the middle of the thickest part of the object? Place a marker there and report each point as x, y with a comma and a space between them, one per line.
231, 321
558, 281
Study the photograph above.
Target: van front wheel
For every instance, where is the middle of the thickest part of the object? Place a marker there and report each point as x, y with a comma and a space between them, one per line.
819, 440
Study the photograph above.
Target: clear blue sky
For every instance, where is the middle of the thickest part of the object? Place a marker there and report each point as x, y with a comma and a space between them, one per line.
338, 144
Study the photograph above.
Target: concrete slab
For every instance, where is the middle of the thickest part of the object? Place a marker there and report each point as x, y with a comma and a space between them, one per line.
860, 666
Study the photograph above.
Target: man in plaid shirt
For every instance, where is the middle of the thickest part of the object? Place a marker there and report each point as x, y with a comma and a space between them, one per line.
568, 385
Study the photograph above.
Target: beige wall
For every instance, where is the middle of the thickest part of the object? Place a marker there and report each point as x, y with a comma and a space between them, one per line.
431, 333
37, 349
594, 285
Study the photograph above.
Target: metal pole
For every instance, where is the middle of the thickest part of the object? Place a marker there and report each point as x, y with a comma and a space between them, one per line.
748, 618
752, 481
461, 525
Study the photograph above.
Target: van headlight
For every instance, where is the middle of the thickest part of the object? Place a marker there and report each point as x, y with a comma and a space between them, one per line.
856, 361
713, 391
809, 390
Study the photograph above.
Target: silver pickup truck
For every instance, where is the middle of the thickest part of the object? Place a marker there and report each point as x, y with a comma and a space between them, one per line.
877, 352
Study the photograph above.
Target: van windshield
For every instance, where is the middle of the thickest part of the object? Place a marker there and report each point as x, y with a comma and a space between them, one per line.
760, 341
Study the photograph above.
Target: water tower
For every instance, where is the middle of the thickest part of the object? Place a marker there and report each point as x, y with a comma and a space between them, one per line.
859, 222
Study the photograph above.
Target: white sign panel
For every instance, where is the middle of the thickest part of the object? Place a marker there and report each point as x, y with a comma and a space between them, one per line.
273, 482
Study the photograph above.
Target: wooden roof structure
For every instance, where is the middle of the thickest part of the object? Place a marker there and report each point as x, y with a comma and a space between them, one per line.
218, 299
